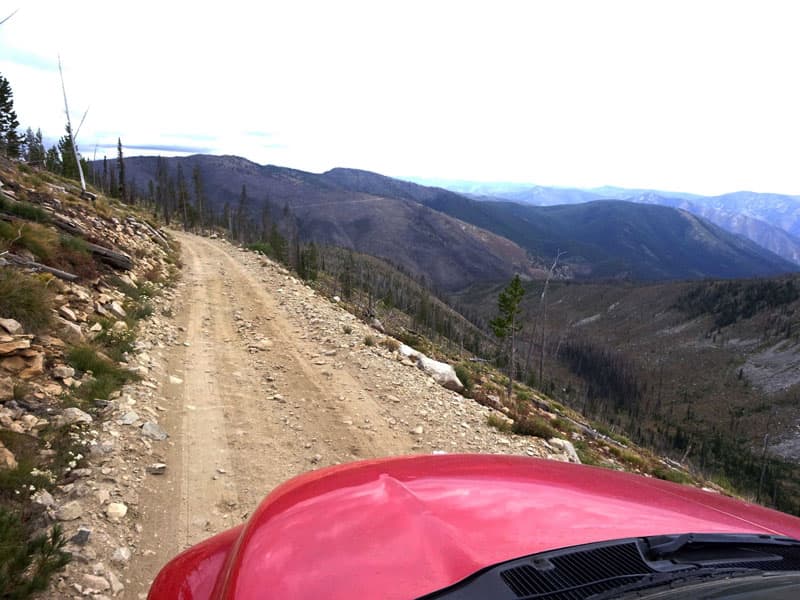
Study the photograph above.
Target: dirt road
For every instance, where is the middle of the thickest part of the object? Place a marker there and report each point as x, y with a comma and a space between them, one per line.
264, 380
249, 408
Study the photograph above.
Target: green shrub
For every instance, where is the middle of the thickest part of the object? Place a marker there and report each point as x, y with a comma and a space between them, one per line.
24, 210
534, 425
39, 240
465, 377
106, 376
27, 563
672, 475
369, 340
25, 298
391, 344
261, 248
499, 422
347, 329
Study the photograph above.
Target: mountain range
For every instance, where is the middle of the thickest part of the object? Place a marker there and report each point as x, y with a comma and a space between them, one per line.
770, 220
454, 240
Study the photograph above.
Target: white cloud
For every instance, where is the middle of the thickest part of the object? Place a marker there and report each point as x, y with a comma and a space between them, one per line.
697, 96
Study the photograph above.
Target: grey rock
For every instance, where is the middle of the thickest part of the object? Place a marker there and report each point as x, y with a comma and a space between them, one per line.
116, 511
63, 371
121, 555
115, 308
129, 418
11, 326
70, 511
154, 431
156, 468
116, 584
81, 538
94, 583
43, 498
566, 448
72, 415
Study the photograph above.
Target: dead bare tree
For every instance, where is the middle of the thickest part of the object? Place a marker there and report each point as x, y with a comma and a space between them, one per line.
74, 135
543, 312
9, 16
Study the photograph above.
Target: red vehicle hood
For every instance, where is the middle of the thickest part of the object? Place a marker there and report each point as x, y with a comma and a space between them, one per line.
404, 527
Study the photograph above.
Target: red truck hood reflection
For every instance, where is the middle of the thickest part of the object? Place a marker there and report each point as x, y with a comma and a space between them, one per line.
404, 527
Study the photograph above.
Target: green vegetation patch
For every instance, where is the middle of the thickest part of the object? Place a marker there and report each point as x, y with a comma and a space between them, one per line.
730, 301
25, 298
106, 376
23, 210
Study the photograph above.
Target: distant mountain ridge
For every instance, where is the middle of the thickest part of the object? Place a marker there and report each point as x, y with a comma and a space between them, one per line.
455, 241
770, 220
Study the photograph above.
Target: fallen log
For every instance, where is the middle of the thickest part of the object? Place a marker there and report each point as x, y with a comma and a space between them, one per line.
156, 235
24, 262
69, 226
116, 259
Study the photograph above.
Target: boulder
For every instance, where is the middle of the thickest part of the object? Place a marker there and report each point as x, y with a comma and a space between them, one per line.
442, 373
567, 449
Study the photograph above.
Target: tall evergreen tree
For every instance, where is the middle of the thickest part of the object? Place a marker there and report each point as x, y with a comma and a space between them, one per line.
10, 141
506, 325
66, 148
199, 199
183, 196
34, 148
121, 170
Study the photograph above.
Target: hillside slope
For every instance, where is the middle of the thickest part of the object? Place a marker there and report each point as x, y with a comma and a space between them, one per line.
424, 229
447, 252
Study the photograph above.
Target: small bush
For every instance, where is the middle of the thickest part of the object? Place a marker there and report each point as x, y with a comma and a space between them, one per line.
261, 248
24, 210
106, 376
39, 240
499, 422
26, 299
347, 329
27, 563
369, 340
391, 344
534, 426
672, 475
586, 453
562, 424
465, 377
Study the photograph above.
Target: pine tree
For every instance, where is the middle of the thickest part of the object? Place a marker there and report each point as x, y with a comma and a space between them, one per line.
34, 152
69, 166
10, 141
199, 201
52, 160
506, 325
121, 169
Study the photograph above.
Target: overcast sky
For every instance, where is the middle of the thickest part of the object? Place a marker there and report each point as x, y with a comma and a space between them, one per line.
697, 96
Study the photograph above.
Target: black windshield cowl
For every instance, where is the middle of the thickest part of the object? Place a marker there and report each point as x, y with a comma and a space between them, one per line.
609, 569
